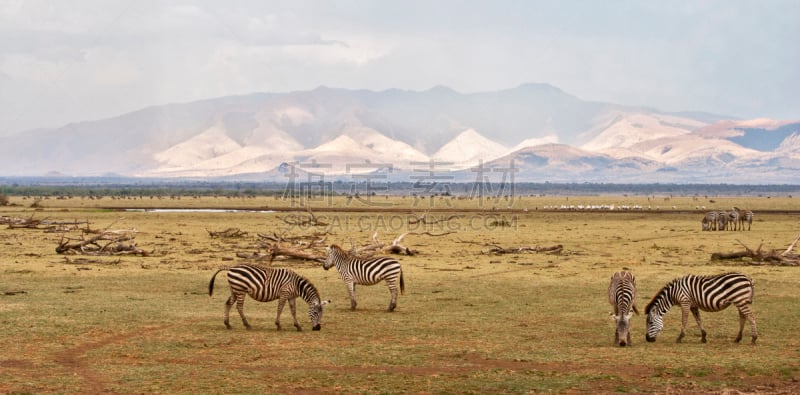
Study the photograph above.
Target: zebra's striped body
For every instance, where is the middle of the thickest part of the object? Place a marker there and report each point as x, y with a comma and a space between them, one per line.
622, 295
707, 293
370, 271
709, 221
266, 284
733, 220
744, 216
722, 220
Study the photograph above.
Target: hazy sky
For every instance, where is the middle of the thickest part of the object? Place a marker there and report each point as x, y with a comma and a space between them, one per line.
65, 61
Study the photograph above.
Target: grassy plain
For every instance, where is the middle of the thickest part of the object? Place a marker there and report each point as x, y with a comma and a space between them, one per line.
470, 321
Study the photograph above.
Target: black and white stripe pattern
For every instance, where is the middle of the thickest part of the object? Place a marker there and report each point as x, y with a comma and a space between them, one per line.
266, 284
370, 271
744, 216
722, 220
707, 293
733, 220
622, 295
709, 221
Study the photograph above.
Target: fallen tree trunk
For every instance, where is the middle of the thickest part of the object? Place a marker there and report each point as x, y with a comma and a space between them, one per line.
759, 257
105, 243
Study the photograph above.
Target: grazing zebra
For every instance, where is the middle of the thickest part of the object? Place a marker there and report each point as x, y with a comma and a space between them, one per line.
707, 293
266, 284
622, 295
370, 271
744, 216
709, 221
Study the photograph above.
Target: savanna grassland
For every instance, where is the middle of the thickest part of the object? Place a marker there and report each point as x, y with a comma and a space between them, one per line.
470, 321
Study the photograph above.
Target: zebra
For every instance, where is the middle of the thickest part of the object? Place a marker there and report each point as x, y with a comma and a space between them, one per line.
733, 219
722, 220
622, 295
709, 221
744, 216
708, 293
369, 271
266, 284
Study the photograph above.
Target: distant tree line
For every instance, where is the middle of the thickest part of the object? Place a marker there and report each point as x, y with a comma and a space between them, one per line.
133, 188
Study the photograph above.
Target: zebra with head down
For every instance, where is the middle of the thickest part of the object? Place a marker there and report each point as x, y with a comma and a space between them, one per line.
622, 295
266, 284
708, 293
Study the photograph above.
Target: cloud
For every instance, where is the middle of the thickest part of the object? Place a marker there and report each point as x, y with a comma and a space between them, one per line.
731, 57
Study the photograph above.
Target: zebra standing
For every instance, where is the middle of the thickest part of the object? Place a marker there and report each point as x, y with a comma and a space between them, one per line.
709, 221
622, 295
722, 220
370, 271
707, 293
744, 216
733, 219
266, 284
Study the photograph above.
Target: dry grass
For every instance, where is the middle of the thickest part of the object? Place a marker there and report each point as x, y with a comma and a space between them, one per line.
470, 322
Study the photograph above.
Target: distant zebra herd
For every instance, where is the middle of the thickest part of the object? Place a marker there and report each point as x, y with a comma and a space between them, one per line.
727, 220
692, 293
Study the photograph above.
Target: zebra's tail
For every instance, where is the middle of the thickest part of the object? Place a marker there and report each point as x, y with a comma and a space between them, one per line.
402, 284
211, 283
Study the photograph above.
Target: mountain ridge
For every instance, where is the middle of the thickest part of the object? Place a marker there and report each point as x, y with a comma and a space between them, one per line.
349, 131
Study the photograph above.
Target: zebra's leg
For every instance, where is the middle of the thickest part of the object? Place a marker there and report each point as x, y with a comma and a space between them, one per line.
696, 314
393, 292
684, 319
228, 304
753, 330
351, 287
747, 315
281, 302
240, 308
293, 310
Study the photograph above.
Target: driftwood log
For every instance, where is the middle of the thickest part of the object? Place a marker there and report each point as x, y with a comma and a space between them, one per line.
105, 243
499, 250
761, 257
227, 233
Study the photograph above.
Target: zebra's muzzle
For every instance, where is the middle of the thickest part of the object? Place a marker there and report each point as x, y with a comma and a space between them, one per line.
650, 339
316, 327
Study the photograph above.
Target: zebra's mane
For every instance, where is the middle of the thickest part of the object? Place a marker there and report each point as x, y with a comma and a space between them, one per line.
308, 290
661, 294
339, 250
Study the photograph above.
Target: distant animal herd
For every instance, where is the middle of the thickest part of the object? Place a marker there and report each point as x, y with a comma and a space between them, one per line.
727, 220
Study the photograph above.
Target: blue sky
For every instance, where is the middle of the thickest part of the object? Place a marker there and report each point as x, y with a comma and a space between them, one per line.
69, 61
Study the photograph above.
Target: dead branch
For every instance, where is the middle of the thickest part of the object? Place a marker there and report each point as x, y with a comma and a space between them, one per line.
499, 250
227, 233
760, 257
377, 246
105, 243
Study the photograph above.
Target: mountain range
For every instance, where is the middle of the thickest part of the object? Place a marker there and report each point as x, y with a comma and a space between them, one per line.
534, 132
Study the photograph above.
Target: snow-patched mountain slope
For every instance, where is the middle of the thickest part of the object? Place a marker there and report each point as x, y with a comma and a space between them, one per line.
388, 149
207, 145
635, 128
468, 148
